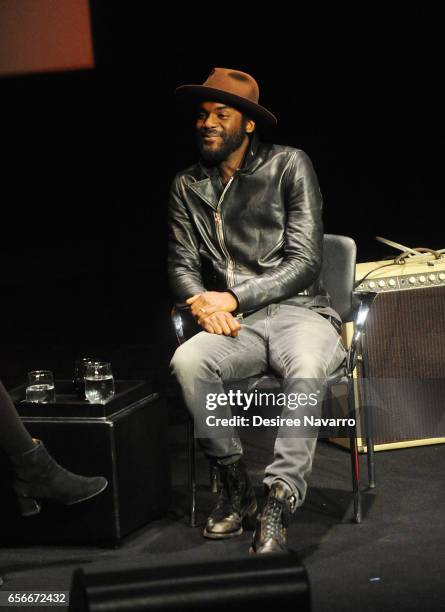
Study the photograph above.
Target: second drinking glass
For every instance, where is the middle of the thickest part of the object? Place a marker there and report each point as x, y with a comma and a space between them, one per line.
99, 382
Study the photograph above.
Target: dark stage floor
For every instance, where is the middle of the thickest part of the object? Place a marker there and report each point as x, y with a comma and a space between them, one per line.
394, 560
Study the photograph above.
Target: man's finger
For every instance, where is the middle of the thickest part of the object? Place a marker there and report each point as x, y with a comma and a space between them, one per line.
192, 299
202, 318
230, 321
204, 313
196, 306
235, 327
208, 327
216, 326
233, 324
224, 325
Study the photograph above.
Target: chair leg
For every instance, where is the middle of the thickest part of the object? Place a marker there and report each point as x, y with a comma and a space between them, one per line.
355, 471
355, 477
371, 464
369, 447
191, 462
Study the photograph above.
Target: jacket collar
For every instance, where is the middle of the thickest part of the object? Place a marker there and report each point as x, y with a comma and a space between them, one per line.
254, 155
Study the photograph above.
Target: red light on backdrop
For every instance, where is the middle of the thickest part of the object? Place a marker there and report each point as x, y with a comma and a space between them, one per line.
45, 35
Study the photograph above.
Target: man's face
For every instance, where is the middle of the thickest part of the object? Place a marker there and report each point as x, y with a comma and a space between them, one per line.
220, 130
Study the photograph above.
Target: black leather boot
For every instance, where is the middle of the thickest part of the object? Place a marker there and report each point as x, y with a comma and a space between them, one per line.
236, 501
271, 530
39, 476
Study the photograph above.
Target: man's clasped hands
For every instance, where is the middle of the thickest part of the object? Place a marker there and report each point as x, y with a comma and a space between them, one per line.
213, 312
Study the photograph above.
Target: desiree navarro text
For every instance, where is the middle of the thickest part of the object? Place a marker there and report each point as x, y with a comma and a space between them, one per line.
258, 421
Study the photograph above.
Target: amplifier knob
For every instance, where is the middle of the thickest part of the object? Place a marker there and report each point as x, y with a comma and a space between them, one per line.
371, 284
442, 276
391, 282
412, 280
382, 283
422, 279
432, 277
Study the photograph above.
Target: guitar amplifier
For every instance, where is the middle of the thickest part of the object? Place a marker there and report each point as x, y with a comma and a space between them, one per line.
400, 376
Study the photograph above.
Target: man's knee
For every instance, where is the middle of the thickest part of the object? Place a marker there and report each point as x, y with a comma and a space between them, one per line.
190, 362
182, 360
307, 366
316, 364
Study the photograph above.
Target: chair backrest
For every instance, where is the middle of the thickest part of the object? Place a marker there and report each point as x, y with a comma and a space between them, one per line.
338, 272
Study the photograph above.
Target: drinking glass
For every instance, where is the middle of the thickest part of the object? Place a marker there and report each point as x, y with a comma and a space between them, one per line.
99, 382
40, 387
80, 366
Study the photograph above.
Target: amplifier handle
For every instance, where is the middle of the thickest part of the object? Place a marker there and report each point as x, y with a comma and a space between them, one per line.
403, 256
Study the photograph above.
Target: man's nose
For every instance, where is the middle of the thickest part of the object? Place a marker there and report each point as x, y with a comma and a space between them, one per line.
209, 122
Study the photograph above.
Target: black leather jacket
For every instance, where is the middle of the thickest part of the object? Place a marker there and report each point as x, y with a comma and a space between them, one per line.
259, 237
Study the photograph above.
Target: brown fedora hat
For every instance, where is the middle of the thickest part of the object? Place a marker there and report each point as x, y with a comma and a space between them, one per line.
232, 87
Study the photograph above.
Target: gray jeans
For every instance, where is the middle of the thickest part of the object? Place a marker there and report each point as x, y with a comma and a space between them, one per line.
296, 343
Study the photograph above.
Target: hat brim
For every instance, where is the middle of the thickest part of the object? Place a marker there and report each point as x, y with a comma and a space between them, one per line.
210, 94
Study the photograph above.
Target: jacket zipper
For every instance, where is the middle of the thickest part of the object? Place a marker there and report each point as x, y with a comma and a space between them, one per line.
230, 275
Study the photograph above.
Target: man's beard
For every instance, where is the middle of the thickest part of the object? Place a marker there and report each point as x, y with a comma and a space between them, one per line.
230, 143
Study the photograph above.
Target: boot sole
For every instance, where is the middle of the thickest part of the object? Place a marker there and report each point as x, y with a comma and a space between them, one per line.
225, 536
78, 501
30, 506
282, 551
221, 536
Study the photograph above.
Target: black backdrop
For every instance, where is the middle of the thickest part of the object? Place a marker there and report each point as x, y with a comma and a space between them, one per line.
88, 158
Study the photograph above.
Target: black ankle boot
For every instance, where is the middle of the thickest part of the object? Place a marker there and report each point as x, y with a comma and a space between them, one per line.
236, 501
39, 476
271, 530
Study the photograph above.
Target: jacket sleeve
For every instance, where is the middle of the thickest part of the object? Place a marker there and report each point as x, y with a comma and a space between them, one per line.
184, 263
303, 247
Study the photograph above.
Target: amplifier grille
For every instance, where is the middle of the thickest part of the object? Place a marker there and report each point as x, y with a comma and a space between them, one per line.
406, 334
405, 347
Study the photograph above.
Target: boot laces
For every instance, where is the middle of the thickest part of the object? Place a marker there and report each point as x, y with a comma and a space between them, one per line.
275, 518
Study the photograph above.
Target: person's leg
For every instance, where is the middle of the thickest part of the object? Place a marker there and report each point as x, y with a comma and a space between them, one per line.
304, 348
37, 474
14, 438
201, 366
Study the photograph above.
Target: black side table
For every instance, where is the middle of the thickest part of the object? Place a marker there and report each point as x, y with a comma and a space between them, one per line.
125, 440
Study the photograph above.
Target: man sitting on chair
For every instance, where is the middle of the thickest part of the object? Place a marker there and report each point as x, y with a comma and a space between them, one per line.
245, 253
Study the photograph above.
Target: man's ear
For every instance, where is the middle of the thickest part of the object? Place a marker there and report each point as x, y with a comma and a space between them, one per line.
250, 126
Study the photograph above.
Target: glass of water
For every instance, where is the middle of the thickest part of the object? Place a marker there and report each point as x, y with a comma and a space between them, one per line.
80, 366
99, 382
40, 386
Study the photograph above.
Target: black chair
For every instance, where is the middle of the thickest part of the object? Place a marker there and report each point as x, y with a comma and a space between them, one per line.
338, 275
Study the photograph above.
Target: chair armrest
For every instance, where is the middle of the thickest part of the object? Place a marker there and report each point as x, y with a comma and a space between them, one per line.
364, 302
184, 323
178, 324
